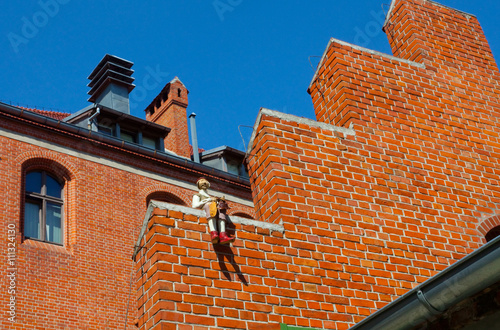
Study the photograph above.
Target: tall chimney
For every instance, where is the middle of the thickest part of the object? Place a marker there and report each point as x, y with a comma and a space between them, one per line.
111, 83
169, 109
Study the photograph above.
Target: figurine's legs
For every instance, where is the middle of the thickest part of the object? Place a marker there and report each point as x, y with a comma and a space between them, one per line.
224, 239
214, 235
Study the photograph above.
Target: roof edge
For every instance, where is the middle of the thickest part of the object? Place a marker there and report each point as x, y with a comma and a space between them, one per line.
362, 49
67, 128
300, 120
199, 213
393, 4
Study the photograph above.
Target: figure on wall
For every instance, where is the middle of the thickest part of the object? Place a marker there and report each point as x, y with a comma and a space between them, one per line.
215, 209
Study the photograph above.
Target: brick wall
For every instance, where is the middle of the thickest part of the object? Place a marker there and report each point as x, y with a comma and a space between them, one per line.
427, 32
396, 180
84, 284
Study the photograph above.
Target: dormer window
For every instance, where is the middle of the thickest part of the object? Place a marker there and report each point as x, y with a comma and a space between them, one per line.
105, 128
128, 136
149, 142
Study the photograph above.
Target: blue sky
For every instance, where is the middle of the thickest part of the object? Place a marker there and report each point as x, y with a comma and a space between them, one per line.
234, 56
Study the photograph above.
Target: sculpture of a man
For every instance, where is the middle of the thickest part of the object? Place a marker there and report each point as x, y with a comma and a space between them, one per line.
215, 210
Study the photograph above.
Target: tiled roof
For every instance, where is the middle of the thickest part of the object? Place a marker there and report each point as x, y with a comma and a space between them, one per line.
200, 150
52, 114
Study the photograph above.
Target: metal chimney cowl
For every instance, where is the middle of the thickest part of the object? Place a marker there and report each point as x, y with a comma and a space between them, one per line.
111, 82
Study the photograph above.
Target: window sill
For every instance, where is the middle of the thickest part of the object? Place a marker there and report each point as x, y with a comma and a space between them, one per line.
46, 246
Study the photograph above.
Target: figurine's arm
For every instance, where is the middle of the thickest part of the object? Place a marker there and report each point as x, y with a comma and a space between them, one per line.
198, 202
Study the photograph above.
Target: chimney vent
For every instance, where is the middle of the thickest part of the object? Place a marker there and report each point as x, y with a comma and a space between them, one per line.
111, 82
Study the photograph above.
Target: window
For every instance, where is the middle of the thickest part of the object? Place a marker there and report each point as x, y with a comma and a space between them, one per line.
494, 232
105, 127
149, 142
128, 136
43, 207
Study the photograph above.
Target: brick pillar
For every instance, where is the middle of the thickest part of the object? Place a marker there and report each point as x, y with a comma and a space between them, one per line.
169, 109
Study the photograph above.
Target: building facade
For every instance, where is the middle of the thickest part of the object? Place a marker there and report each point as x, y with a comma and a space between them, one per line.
394, 182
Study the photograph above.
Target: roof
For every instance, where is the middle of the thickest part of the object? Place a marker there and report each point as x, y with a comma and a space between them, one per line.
222, 149
48, 113
104, 140
119, 116
200, 150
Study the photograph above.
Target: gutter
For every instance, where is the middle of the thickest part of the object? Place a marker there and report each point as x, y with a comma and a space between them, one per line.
115, 143
468, 276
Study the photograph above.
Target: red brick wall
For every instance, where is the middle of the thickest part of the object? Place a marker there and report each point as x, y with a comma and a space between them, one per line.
429, 33
403, 186
378, 223
85, 283
171, 112
185, 282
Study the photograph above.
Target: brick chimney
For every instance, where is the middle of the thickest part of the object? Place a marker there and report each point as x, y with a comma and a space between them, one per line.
169, 109
428, 32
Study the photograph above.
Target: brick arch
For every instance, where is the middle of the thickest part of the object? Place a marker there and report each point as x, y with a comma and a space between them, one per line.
242, 215
488, 224
241, 211
183, 195
165, 197
48, 160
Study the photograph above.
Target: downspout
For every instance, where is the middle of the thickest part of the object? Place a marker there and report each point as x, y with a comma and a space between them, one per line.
89, 120
468, 276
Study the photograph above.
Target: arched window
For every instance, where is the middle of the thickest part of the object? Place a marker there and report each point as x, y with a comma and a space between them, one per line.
43, 207
494, 232
164, 196
242, 215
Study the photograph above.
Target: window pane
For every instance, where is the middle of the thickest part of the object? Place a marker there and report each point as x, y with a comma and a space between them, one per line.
32, 220
109, 130
53, 225
127, 136
53, 187
34, 182
148, 142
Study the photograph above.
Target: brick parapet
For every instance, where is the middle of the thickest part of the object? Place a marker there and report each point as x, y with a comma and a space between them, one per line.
184, 281
393, 208
311, 273
356, 85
